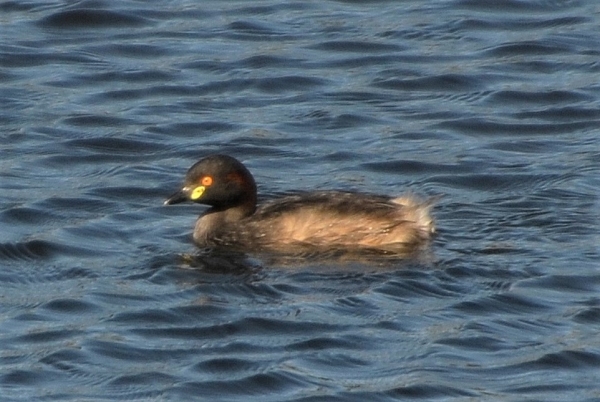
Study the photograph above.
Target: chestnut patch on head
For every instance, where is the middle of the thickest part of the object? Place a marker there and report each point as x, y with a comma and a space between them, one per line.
236, 177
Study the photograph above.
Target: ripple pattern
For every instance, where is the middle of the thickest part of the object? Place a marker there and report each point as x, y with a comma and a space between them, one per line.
490, 107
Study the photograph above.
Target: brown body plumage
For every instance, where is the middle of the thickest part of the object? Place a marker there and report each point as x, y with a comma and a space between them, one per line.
314, 220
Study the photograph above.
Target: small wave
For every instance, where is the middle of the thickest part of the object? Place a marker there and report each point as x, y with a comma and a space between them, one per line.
276, 84
589, 315
527, 48
95, 121
502, 303
445, 82
70, 306
112, 145
356, 47
552, 97
478, 126
85, 18
28, 215
185, 130
412, 166
512, 6
28, 250
565, 359
46, 336
250, 28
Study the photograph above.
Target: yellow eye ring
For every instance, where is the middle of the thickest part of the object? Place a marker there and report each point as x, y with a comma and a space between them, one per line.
197, 192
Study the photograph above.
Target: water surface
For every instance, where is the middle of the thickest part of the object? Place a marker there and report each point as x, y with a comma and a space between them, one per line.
493, 106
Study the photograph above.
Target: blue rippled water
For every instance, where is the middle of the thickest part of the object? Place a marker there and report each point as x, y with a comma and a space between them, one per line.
494, 106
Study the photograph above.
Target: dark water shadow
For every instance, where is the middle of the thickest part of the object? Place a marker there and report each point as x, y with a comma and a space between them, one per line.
254, 265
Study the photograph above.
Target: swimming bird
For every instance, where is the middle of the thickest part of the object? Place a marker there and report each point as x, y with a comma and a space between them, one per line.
318, 220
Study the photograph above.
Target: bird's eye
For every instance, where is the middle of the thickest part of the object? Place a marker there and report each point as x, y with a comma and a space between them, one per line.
206, 181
